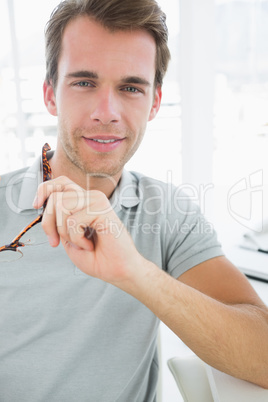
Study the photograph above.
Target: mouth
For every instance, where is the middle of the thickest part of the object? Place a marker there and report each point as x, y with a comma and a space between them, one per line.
103, 144
103, 141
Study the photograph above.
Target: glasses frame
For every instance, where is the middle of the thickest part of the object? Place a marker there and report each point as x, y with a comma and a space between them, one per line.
47, 175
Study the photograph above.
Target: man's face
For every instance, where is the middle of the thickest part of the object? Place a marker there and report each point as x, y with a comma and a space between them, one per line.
104, 96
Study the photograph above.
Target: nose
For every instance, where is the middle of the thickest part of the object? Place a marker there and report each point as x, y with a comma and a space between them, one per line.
106, 107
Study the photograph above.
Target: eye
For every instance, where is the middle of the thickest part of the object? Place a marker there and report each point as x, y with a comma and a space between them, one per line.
131, 89
83, 84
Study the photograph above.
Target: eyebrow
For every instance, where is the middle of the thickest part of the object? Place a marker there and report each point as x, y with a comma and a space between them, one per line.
82, 74
135, 80
125, 80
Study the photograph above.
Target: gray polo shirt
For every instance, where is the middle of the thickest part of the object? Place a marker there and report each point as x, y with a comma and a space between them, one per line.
65, 336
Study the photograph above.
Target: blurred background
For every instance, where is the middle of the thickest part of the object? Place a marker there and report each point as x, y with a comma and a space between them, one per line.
211, 134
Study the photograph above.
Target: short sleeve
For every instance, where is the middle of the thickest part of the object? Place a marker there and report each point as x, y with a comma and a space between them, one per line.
189, 238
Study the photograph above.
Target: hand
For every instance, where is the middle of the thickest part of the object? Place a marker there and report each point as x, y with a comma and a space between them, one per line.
93, 236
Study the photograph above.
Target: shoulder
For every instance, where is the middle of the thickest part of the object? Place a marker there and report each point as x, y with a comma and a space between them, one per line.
11, 178
10, 189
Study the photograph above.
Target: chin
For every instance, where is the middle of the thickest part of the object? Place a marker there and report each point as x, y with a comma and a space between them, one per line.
102, 173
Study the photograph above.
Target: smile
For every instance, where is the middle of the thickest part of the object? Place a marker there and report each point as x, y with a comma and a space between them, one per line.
103, 145
104, 141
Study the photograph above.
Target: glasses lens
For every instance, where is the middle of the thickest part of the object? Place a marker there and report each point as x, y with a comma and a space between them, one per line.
9, 256
34, 236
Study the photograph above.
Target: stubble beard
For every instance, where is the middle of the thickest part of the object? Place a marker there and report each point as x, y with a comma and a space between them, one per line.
110, 166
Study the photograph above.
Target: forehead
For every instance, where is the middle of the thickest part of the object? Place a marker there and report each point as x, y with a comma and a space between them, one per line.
86, 44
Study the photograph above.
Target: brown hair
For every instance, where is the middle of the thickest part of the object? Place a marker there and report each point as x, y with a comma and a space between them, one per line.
114, 15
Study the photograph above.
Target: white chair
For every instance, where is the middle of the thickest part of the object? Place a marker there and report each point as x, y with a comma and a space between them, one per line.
190, 375
199, 382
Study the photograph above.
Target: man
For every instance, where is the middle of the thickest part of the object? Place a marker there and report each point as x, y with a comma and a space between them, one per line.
80, 318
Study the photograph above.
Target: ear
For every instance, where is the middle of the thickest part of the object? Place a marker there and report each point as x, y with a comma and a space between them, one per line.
50, 98
157, 103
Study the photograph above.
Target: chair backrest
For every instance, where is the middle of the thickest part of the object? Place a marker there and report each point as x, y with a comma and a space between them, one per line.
199, 382
190, 375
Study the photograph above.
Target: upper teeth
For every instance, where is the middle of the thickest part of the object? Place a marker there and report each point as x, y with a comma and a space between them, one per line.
104, 141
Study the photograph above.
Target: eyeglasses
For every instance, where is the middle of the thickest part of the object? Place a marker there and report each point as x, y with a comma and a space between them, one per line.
31, 234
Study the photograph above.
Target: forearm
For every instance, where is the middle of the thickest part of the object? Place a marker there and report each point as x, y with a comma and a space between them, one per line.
232, 338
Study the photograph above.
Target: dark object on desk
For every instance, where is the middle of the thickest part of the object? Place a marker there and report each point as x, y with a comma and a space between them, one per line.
253, 248
257, 241
257, 278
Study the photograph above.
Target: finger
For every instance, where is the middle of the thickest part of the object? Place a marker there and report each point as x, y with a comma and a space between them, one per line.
49, 224
77, 254
61, 206
59, 184
84, 244
85, 228
79, 231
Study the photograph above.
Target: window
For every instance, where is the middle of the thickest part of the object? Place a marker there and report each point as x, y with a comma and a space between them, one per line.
240, 115
223, 86
24, 122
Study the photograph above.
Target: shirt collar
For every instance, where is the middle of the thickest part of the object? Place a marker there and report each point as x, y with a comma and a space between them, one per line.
126, 193
32, 178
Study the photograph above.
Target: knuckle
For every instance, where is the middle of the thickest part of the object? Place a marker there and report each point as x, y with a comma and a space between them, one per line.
63, 179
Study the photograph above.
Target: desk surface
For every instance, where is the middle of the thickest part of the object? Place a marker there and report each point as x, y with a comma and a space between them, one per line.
250, 262
261, 288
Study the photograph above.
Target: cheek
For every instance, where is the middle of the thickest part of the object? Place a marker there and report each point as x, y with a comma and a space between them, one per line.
68, 114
